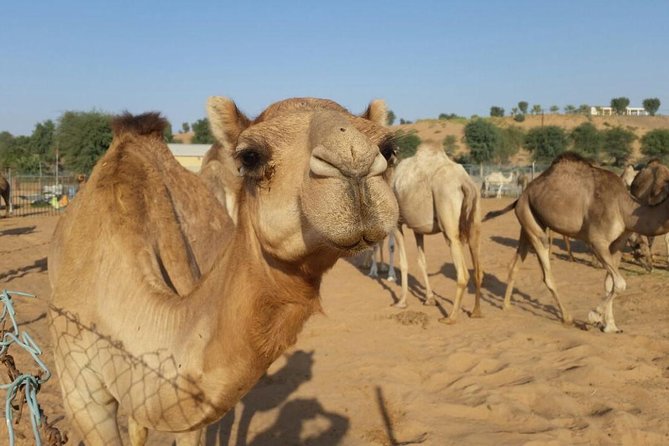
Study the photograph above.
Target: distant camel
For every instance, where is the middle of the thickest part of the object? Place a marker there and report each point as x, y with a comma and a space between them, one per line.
164, 309
628, 175
496, 180
593, 206
522, 181
437, 195
5, 191
651, 187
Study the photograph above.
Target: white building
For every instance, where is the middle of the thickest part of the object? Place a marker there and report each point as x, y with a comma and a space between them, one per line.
189, 155
608, 111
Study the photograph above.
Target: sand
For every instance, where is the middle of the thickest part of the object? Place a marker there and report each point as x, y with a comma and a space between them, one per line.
364, 373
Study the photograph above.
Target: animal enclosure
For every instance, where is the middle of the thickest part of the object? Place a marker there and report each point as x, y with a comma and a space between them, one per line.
40, 194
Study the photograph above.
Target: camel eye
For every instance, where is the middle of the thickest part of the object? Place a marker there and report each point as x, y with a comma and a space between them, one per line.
249, 158
388, 151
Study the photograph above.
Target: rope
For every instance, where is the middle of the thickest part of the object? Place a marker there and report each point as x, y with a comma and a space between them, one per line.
23, 387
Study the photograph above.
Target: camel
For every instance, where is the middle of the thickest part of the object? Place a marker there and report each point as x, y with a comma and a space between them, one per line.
370, 261
585, 202
498, 180
436, 195
5, 192
522, 181
628, 175
166, 309
651, 187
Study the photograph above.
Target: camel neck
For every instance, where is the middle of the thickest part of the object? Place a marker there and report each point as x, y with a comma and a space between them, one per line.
262, 302
646, 220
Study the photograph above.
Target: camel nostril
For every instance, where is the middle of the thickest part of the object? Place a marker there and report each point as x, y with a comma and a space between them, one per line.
342, 129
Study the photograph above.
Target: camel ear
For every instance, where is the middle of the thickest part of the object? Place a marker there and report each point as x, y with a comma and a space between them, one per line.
377, 112
226, 121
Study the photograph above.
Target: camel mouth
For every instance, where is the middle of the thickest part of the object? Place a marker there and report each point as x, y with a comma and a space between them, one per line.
354, 248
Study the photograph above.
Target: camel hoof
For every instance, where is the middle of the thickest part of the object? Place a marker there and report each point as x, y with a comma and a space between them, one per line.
506, 307
568, 322
595, 318
391, 279
609, 329
399, 305
430, 302
447, 320
476, 314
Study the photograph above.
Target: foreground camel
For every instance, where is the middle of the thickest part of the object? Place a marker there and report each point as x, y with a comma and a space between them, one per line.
585, 202
5, 192
436, 195
651, 187
161, 306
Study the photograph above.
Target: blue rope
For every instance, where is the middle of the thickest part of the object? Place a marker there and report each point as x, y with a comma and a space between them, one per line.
30, 383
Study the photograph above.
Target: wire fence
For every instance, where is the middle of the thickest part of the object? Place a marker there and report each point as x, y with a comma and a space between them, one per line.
503, 181
39, 194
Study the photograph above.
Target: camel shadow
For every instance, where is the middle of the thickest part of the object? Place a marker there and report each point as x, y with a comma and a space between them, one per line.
271, 392
38, 266
18, 231
388, 423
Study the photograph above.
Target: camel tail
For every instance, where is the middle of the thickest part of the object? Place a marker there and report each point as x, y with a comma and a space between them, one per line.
470, 213
494, 214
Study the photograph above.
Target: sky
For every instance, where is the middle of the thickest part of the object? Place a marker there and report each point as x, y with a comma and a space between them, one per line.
423, 57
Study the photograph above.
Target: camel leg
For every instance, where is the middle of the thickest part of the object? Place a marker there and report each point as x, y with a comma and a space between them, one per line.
614, 283
666, 244
93, 418
422, 264
474, 250
137, 433
567, 244
544, 260
192, 438
518, 258
550, 242
391, 258
462, 277
404, 267
374, 267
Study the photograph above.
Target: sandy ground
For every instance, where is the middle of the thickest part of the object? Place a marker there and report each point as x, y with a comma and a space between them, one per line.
364, 373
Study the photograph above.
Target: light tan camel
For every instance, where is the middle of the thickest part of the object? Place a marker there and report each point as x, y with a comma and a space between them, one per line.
585, 202
165, 309
628, 175
5, 192
436, 195
651, 187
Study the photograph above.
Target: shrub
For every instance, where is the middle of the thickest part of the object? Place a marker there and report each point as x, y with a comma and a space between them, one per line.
546, 143
407, 143
656, 143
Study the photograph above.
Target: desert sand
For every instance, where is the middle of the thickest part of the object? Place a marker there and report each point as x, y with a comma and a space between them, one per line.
364, 373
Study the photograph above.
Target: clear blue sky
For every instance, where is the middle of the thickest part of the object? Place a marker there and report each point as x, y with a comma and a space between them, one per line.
423, 57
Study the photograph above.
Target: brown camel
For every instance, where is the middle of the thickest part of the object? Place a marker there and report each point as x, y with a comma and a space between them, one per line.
628, 174
585, 202
161, 306
651, 187
5, 191
436, 195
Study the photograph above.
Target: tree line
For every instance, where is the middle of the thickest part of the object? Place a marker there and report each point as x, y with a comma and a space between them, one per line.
73, 143
490, 143
618, 105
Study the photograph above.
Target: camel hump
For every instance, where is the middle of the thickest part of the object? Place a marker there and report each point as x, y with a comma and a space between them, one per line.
146, 124
571, 157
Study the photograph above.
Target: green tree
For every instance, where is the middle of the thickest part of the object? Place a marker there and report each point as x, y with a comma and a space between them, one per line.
617, 143
656, 143
536, 109
185, 127
390, 117
202, 133
82, 138
522, 106
407, 143
520, 117
583, 109
586, 140
450, 144
619, 105
496, 111
167, 133
483, 138
546, 143
42, 140
569, 109
554, 109
510, 143
652, 105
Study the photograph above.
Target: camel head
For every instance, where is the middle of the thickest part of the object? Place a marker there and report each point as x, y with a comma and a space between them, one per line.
312, 175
